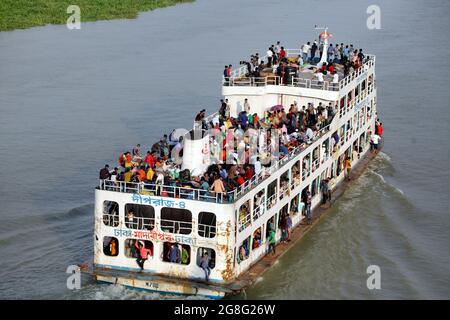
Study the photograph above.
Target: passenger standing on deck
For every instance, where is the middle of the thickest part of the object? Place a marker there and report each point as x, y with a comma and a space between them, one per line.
313, 51
348, 167
204, 264
104, 175
305, 50
271, 240
374, 141
143, 254
269, 57
308, 201
174, 254
326, 194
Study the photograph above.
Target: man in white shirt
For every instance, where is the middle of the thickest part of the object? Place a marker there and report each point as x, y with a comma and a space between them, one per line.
335, 80
319, 76
374, 141
269, 57
305, 49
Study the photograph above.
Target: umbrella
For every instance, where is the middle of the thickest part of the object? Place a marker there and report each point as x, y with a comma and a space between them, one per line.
277, 107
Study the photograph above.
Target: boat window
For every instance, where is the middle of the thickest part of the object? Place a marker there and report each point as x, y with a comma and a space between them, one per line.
110, 246
284, 185
294, 205
211, 256
110, 213
132, 247
306, 166
283, 212
138, 216
176, 253
244, 250
363, 85
304, 198
207, 225
176, 220
270, 225
316, 160
244, 215
357, 90
314, 186
295, 175
342, 103
257, 238
349, 98
271, 194
258, 205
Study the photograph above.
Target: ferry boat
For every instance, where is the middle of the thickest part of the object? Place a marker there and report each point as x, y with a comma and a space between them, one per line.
233, 227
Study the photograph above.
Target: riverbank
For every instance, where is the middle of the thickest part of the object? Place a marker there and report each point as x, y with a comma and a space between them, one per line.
23, 14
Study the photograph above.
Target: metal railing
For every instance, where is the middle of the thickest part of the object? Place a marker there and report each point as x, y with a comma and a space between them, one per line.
206, 230
165, 191
176, 226
141, 223
259, 210
110, 220
238, 76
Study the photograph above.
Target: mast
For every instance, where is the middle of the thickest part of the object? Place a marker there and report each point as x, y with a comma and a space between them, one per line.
324, 37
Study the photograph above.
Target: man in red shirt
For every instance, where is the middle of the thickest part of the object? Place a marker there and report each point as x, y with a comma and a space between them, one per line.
150, 159
282, 53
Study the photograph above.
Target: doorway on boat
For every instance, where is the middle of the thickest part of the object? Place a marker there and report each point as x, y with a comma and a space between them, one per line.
132, 247
211, 255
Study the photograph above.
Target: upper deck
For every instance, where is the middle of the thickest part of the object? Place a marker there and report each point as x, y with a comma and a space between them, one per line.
303, 76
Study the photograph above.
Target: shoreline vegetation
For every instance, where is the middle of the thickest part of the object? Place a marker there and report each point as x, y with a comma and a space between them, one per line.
23, 14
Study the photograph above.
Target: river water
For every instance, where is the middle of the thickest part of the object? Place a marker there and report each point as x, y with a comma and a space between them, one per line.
71, 101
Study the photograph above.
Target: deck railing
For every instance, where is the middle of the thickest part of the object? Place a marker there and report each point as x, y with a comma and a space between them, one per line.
238, 76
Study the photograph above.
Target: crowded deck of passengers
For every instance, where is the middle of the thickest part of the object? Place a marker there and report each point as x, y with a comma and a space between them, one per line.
158, 173
298, 67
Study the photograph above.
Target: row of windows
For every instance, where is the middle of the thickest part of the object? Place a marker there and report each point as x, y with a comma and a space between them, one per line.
171, 252
173, 220
256, 240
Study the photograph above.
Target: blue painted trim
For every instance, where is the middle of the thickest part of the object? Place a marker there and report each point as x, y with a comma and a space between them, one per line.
107, 266
161, 292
